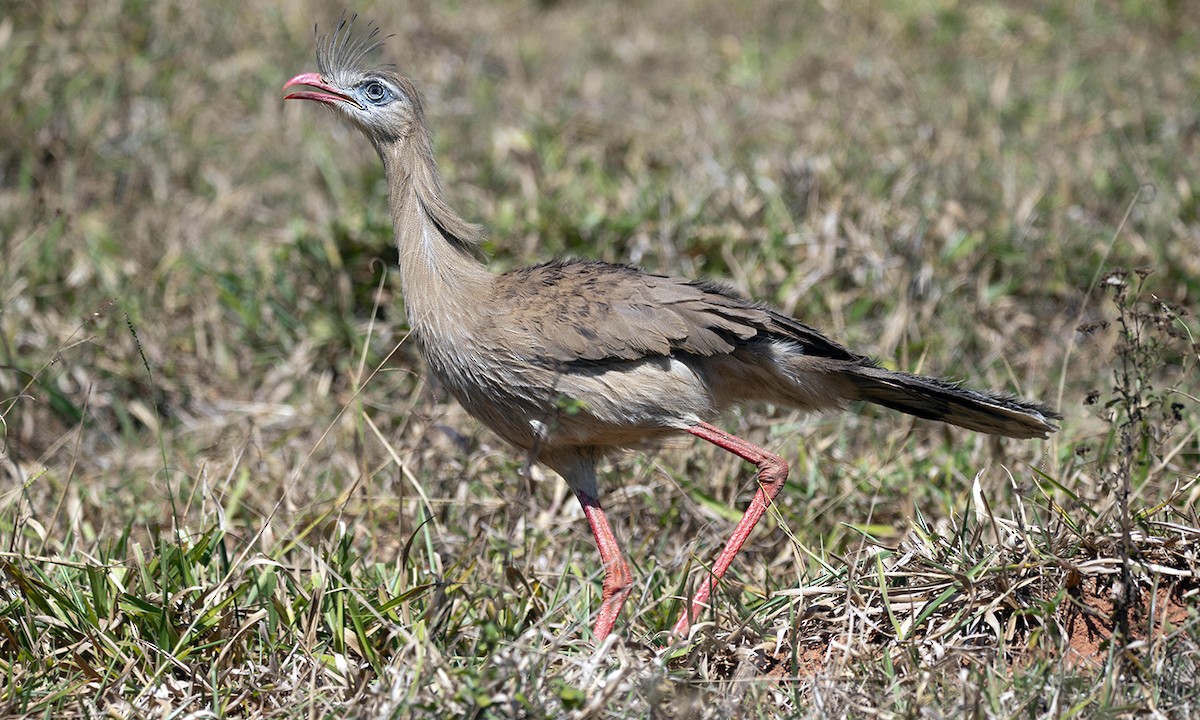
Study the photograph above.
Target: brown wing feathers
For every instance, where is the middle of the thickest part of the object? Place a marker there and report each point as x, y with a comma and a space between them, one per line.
583, 310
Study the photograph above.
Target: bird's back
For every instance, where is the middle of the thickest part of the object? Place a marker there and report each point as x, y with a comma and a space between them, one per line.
588, 353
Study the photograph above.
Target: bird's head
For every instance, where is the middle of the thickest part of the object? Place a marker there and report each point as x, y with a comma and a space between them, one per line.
372, 97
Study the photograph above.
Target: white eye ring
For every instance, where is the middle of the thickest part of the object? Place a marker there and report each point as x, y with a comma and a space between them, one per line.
375, 91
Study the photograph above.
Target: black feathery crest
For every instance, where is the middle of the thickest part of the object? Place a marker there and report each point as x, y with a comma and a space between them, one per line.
340, 51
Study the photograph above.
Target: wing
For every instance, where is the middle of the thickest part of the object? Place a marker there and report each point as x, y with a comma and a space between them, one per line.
579, 311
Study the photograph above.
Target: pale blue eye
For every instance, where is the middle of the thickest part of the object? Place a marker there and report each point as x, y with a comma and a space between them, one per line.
375, 92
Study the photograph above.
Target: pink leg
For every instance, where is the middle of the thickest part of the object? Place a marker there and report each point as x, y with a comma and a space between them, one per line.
772, 472
618, 581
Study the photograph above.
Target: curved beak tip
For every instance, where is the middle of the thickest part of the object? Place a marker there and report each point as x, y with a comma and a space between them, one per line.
310, 79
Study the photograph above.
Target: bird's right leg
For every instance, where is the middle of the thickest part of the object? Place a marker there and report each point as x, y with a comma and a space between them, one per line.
618, 581
772, 472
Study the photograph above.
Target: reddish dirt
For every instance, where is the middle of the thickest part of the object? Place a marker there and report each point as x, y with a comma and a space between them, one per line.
810, 661
1090, 618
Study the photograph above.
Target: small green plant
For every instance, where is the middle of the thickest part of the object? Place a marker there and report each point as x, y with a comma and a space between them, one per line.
1153, 354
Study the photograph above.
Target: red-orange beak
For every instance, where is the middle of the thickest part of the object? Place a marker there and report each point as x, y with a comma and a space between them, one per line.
330, 96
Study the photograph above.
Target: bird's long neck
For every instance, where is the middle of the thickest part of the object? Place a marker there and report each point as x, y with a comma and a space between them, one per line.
439, 273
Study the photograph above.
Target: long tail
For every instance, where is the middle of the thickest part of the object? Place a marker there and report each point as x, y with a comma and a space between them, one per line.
945, 401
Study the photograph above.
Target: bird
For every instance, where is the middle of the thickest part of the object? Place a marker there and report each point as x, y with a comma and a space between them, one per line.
573, 360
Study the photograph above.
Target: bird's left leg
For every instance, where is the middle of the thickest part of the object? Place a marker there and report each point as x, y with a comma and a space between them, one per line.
618, 581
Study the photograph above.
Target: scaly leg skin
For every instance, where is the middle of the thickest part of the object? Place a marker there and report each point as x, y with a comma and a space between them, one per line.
772, 472
618, 581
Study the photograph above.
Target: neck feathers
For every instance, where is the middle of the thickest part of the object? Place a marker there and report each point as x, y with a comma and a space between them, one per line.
414, 184
439, 265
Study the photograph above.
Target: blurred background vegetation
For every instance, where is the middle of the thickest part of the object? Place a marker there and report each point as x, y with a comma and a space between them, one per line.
195, 277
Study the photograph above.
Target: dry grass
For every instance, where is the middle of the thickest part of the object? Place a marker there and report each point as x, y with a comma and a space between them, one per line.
212, 506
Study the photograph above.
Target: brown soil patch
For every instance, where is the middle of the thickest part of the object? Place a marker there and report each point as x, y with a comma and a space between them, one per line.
1090, 618
810, 661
